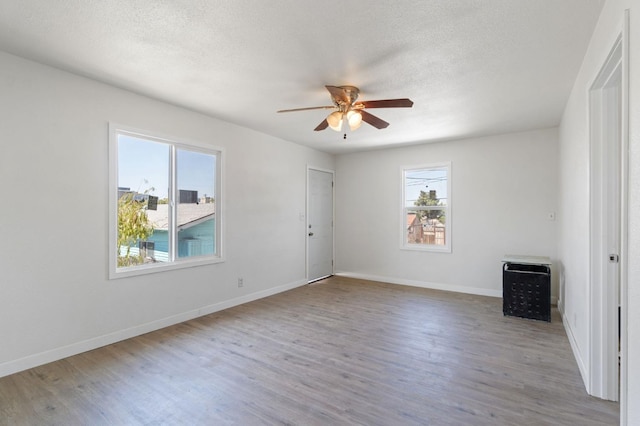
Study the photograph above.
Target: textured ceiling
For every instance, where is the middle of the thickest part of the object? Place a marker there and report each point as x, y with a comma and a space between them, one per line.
472, 67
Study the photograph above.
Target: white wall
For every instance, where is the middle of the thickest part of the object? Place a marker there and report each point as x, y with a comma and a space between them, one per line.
574, 196
573, 248
55, 298
503, 188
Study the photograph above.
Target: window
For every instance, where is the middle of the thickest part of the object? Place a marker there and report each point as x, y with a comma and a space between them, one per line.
165, 203
426, 208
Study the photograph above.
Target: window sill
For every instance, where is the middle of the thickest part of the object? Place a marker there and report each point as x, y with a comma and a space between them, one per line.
153, 268
434, 249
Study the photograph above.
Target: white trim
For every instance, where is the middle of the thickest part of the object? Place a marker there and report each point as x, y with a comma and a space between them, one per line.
559, 305
430, 285
113, 198
173, 206
320, 169
624, 224
174, 143
55, 354
423, 284
582, 365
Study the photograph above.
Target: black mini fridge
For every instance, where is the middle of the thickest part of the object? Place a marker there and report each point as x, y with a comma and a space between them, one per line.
526, 290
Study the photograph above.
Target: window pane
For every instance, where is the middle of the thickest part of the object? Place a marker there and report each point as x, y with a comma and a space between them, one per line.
196, 222
426, 187
426, 227
143, 175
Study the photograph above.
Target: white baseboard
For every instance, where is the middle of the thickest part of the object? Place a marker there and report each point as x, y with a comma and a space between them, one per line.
584, 372
424, 284
30, 361
427, 284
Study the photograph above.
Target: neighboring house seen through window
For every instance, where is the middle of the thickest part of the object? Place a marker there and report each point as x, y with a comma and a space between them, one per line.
426, 211
165, 200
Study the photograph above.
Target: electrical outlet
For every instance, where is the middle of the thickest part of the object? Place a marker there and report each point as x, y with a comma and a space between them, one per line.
240, 282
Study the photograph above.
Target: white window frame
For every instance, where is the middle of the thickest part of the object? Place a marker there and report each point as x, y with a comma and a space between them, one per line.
404, 244
174, 143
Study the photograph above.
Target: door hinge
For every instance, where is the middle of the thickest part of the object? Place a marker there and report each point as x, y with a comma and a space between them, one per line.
614, 258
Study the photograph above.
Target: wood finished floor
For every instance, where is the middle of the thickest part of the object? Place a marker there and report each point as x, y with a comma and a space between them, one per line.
337, 352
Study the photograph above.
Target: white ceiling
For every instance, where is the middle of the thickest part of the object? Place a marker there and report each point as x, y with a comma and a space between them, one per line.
472, 67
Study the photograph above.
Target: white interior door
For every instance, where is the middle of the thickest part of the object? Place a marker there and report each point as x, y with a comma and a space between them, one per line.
319, 224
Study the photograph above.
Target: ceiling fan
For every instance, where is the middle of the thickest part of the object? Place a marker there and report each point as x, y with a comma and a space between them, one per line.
346, 106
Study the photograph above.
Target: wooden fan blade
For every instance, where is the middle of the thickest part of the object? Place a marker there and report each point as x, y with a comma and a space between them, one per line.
338, 93
307, 109
322, 126
387, 103
376, 122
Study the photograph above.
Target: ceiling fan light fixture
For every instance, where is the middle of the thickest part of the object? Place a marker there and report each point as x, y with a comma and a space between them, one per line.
355, 119
335, 120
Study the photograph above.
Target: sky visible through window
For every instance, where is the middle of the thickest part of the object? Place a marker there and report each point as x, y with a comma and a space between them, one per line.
425, 180
144, 164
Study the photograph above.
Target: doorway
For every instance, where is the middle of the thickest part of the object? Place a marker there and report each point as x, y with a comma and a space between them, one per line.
608, 225
319, 224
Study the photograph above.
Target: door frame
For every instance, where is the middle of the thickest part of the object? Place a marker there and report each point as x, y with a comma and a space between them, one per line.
604, 327
333, 214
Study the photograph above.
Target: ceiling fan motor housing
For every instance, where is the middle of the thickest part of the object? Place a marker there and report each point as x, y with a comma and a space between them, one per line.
350, 96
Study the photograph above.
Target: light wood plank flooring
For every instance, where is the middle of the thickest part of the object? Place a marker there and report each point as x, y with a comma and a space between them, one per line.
337, 352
